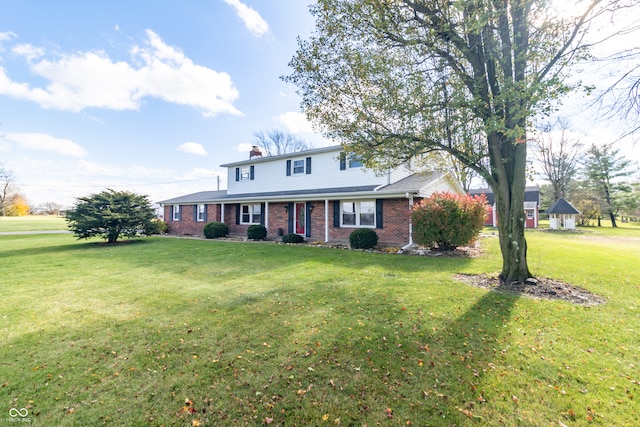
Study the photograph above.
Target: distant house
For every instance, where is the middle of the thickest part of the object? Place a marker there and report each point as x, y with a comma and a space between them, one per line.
322, 194
531, 206
562, 215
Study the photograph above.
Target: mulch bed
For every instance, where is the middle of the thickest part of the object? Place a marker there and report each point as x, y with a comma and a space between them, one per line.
541, 288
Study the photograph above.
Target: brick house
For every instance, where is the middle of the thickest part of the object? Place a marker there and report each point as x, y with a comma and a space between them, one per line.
322, 194
531, 206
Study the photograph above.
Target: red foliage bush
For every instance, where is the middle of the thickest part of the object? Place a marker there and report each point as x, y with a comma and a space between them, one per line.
446, 220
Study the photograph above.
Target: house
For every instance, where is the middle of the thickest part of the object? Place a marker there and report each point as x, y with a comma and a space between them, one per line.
531, 206
322, 194
562, 215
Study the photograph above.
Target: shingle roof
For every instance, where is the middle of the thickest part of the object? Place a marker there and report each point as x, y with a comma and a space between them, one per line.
562, 207
200, 197
412, 183
531, 194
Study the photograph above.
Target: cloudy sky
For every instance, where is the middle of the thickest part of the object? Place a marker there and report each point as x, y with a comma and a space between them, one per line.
147, 96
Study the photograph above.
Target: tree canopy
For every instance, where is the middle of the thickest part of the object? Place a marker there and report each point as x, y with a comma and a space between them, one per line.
111, 214
603, 166
396, 80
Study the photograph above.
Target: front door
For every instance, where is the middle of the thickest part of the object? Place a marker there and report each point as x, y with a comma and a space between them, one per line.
300, 220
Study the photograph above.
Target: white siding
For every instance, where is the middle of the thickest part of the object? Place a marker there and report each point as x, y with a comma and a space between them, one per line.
440, 185
270, 175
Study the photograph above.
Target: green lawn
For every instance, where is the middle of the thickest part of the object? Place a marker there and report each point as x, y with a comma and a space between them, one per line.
258, 333
32, 223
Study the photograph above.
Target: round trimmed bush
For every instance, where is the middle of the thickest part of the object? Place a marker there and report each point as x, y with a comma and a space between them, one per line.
292, 238
256, 232
363, 238
213, 230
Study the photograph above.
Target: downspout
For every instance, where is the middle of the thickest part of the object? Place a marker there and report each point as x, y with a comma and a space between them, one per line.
406, 247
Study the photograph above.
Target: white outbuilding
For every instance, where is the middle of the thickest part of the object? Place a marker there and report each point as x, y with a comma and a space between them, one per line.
562, 215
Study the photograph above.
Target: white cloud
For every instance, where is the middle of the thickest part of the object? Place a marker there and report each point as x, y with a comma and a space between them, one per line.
252, 19
44, 142
295, 122
193, 148
244, 148
93, 80
28, 51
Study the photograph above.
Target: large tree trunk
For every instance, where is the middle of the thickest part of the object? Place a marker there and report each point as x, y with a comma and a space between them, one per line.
509, 159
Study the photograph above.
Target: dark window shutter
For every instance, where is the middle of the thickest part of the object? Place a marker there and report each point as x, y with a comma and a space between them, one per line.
251, 172
290, 218
308, 171
336, 213
237, 174
195, 213
288, 167
238, 213
379, 213
307, 217
262, 213
343, 161
171, 213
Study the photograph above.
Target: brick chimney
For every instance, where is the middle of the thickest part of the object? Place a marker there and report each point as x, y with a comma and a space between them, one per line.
255, 152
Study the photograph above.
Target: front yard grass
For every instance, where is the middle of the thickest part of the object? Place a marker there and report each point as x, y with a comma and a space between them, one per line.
190, 332
32, 223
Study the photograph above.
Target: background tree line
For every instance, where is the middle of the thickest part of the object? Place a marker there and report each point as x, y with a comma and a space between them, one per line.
596, 179
14, 203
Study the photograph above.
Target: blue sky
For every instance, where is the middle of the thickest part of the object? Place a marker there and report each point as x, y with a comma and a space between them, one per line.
152, 97
143, 96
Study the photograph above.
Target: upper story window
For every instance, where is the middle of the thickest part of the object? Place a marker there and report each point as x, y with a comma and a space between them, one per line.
245, 173
176, 213
350, 161
299, 166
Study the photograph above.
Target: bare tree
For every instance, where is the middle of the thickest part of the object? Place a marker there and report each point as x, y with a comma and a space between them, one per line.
559, 158
277, 142
51, 208
7, 188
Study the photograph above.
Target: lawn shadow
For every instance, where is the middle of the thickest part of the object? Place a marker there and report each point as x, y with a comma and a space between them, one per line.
472, 347
66, 247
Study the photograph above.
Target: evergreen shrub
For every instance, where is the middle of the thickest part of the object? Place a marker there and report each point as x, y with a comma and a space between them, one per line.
363, 238
215, 229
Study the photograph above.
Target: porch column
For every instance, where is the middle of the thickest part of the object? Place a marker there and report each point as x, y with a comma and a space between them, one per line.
326, 220
266, 215
222, 213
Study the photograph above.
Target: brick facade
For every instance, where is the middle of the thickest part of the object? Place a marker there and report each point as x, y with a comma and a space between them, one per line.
394, 231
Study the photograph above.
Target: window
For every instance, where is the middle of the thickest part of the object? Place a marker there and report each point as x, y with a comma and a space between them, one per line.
350, 160
355, 161
251, 214
176, 213
298, 166
359, 214
529, 214
202, 212
245, 173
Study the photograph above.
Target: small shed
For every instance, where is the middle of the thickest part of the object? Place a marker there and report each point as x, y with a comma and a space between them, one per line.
562, 215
